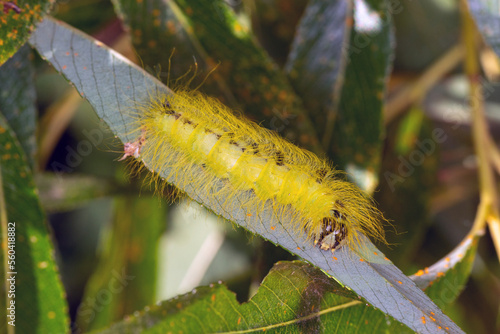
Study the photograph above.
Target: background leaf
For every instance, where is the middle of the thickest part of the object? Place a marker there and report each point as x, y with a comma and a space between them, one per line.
125, 277
40, 306
344, 87
356, 138
17, 99
17, 22
316, 63
294, 298
65, 192
445, 279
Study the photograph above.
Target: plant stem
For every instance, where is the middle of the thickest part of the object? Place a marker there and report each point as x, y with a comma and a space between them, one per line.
494, 153
488, 207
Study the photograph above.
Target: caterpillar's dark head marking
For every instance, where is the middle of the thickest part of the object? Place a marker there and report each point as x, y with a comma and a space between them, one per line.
332, 233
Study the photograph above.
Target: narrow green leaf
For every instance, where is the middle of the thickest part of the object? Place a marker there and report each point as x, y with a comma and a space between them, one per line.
40, 305
125, 278
17, 22
317, 61
340, 71
294, 298
356, 137
113, 85
408, 131
17, 99
445, 279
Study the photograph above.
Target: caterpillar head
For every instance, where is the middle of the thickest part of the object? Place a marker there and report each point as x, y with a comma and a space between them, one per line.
332, 233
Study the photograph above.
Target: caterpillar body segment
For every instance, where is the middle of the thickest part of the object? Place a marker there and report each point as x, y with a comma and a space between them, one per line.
188, 130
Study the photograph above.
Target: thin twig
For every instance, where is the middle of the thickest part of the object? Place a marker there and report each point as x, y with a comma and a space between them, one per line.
494, 226
481, 216
488, 208
493, 152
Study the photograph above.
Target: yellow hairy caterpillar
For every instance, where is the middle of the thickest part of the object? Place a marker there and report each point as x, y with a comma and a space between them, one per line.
187, 130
